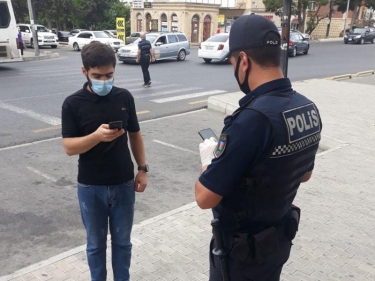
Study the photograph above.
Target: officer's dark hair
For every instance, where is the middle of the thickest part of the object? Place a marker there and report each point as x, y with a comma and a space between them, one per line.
97, 54
265, 56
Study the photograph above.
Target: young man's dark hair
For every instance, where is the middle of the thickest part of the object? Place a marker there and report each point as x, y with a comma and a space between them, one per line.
97, 54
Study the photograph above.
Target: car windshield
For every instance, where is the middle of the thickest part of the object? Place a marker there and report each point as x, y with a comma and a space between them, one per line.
41, 28
101, 34
359, 30
150, 38
218, 38
64, 33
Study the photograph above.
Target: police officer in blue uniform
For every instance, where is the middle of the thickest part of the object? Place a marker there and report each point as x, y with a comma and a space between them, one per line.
267, 148
144, 56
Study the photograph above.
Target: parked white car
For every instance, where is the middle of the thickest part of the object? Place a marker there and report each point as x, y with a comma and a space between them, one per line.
215, 48
45, 38
78, 41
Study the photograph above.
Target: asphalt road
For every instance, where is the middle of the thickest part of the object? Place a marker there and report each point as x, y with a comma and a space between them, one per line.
39, 215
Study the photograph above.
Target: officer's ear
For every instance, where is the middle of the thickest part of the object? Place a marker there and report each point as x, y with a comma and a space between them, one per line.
245, 64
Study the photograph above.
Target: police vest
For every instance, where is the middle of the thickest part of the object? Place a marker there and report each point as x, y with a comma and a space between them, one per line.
144, 46
267, 191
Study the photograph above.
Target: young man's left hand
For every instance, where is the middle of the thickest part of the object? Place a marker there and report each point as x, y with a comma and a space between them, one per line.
140, 181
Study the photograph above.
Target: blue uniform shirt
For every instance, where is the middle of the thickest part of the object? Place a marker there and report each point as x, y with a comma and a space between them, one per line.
249, 139
145, 46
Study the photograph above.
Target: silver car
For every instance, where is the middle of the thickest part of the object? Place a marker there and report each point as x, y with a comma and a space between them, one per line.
165, 45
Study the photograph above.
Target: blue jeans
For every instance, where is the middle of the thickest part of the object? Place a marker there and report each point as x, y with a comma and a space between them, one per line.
98, 203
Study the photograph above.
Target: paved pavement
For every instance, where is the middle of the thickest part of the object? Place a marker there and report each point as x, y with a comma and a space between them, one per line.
336, 240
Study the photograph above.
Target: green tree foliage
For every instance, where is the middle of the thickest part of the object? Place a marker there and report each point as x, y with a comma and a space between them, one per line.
70, 14
316, 16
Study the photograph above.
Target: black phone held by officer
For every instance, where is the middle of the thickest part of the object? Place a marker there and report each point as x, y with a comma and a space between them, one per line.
207, 133
115, 125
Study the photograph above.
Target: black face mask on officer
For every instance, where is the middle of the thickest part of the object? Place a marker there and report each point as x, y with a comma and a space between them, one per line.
244, 87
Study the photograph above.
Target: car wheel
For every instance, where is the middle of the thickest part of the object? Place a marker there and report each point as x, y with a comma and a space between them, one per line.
362, 41
207, 60
345, 42
181, 55
372, 41
306, 51
54, 46
75, 47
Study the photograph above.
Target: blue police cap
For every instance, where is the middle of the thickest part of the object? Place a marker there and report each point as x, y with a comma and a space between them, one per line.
250, 31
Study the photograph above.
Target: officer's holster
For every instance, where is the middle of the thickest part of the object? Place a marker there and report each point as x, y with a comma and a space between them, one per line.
257, 248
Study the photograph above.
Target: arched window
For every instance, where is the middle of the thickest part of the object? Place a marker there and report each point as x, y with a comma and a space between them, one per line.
174, 19
139, 22
164, 22
148, 22
195, 29
206, 27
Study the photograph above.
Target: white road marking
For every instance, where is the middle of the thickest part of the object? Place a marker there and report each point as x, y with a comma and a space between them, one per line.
188, 96
51, 120
176, 147
152, 88
168, 92
50, 178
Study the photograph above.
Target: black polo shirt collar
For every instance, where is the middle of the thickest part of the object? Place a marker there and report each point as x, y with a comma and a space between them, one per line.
94, 97
274, 85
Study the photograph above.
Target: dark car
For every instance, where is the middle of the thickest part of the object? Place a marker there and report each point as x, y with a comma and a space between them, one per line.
75, 31
63, 36
298, 44
359, 35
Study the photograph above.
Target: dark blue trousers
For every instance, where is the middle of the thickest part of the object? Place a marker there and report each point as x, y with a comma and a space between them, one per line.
270, 270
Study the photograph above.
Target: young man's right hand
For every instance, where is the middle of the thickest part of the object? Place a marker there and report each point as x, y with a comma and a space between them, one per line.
103, 133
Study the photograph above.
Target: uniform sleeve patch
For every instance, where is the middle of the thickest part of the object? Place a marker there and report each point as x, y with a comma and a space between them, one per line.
302, 122
222, 143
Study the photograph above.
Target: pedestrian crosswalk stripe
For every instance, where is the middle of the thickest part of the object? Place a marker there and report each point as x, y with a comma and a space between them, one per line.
151, 88
188, 96
167, 92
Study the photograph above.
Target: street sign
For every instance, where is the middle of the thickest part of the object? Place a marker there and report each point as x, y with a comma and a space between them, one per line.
120, 28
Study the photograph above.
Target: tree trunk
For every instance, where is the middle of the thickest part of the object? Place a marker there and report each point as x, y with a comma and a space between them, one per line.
300, 19
304, 18
357, 4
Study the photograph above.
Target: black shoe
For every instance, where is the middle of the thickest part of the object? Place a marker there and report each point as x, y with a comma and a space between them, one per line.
149, 84
144, 85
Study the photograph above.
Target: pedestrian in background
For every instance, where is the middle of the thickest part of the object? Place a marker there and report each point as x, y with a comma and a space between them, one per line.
145, 55
267, 148
20, 41
106, 184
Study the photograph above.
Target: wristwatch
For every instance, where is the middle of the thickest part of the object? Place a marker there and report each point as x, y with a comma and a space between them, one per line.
143, 168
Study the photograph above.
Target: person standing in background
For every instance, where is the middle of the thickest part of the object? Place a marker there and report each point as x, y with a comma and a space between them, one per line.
143, 56
20, 41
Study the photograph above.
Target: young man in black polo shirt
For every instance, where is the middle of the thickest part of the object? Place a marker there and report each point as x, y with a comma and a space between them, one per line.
106, 183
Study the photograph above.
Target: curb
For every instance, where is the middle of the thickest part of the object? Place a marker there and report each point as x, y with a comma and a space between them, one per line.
41, 57
350, 76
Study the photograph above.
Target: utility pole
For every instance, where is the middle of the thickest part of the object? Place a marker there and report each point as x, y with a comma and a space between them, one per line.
285, 34
329, 17
33, 28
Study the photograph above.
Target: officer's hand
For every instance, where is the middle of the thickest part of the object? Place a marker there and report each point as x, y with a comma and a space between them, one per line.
206, 150
136, 60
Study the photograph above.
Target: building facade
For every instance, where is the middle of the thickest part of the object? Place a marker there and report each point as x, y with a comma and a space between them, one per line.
199, 20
